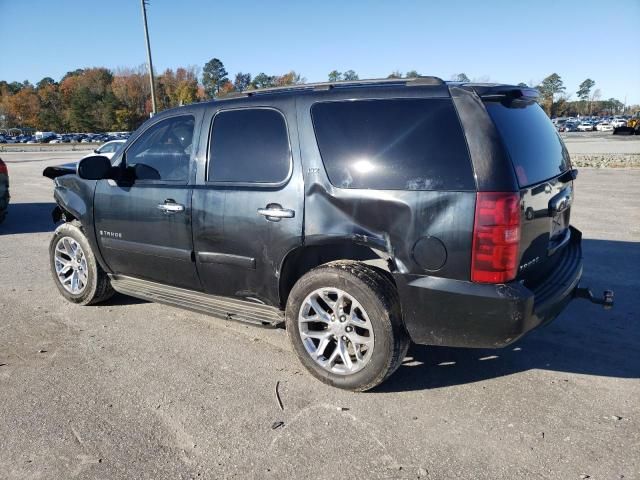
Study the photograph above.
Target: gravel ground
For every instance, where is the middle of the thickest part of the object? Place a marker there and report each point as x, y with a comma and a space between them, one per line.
602, 149
139, 390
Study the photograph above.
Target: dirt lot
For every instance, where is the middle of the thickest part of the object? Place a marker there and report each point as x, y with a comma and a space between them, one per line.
139, 390
602, 149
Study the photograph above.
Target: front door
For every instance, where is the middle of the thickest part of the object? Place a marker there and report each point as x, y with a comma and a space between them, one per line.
249, 202
144, 227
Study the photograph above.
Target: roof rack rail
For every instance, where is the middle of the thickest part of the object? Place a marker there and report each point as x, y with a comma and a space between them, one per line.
417, 81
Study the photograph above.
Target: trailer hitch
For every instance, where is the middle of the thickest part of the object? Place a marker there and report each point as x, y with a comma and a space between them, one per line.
606, 301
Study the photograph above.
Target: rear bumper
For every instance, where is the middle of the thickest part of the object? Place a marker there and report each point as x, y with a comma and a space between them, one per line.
458, 313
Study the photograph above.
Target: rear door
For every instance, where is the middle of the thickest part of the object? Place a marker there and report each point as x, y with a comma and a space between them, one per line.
144, 227
542, 167
249, 201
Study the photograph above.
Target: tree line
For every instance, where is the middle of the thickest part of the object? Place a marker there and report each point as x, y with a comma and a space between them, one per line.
98, 99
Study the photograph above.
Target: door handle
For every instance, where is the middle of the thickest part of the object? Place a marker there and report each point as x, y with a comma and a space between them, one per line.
170, 207
275, 212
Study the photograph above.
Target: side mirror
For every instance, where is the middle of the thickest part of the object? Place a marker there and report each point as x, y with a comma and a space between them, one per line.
96, 150
94, 168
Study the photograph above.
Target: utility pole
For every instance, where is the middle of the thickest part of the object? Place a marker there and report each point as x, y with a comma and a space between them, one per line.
151, 81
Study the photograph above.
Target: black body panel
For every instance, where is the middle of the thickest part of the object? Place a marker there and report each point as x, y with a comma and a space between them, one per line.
493, 170
239, 251
389, 221
135, 235
439, 311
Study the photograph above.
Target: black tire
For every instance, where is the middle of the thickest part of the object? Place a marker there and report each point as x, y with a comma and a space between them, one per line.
4, 200
98, 287
4, 205
379, 297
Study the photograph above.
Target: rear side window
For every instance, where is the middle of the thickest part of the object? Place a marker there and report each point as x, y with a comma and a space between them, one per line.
399, 144
535, 148
249, 146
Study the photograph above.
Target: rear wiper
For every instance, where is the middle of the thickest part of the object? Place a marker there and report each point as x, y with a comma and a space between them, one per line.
568, 175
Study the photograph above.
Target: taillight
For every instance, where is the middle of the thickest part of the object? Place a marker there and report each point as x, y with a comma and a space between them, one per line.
496, 237
3, 168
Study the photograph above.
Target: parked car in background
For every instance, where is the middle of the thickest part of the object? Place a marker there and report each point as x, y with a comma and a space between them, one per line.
108, 150
4, 190
569, 127
585, 127
604, 127
618, 122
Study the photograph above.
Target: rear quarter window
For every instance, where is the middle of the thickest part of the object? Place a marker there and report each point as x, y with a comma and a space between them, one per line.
532, 142
396, 144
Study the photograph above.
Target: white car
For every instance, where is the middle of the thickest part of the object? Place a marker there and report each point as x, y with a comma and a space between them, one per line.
618, 122
585, 127
604, 127
108, 150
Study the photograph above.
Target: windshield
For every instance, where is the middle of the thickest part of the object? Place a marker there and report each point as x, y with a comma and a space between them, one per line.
535, 148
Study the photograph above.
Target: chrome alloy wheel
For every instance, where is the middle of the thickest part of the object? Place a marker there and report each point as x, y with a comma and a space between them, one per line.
336, 331
71, 265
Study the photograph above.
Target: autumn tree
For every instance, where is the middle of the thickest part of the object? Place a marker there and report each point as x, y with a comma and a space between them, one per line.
166, 88
131, 89
51, 114
290, 78
214, 76
23, 107
242, 81
262, 80
186, 86
46, 81
225, 89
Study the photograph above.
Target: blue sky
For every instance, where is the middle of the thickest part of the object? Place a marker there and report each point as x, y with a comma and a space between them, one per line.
505, 41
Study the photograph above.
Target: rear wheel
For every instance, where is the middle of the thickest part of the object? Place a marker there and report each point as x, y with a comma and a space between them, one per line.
345, 324
76, 273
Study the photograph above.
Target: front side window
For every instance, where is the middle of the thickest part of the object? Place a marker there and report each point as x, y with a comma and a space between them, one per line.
249, 146
396, 144
164, 150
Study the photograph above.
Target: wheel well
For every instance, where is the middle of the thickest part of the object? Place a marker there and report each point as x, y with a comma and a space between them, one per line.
301, 260
61, 214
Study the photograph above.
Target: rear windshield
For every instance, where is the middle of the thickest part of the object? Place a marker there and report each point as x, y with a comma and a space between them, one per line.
535, 148
396, 144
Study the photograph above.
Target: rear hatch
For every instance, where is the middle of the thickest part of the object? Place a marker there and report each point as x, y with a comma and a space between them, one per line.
542, 166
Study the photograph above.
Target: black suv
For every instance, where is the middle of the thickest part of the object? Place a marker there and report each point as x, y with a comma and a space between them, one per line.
363, 215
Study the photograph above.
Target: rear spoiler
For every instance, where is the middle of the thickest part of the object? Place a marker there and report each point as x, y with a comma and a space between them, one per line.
501, 91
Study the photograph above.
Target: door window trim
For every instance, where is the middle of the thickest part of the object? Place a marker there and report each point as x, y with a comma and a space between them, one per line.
259, 185
123, 156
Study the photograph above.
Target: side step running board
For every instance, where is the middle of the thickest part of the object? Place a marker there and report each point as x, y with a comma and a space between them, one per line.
222, 307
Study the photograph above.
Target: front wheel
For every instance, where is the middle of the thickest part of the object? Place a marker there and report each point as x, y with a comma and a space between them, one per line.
76, 273
345, 324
